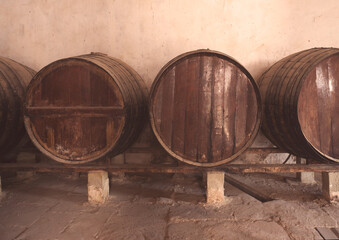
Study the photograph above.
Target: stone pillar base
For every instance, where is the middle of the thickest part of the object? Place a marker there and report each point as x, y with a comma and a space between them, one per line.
330, 185
215, 187
98, 187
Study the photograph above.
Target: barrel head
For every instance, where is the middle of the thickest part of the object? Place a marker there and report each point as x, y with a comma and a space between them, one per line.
204, 108
318, 107
74, 111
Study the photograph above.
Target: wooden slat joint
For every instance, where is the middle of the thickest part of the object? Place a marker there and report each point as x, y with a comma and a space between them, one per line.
75, 111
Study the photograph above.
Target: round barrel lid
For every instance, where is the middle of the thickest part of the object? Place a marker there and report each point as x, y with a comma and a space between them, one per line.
74, 111
204, 108
318, 107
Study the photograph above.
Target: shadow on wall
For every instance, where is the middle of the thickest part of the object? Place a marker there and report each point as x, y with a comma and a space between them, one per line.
260, 67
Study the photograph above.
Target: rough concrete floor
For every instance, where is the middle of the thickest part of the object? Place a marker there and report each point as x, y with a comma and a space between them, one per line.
54, 206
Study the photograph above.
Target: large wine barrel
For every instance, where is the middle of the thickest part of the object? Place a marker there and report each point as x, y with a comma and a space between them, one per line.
14, 78
80, 108
301, 104
204, 108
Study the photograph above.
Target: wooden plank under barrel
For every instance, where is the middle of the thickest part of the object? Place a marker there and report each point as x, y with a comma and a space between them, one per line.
78, 109
14, 78
301, 104
204, 108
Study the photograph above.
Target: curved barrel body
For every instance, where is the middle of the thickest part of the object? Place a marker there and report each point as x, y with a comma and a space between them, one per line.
301, 104
14, 78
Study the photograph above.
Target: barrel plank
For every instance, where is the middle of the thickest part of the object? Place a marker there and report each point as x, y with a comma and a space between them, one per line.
179, 112
204, 111
192, 104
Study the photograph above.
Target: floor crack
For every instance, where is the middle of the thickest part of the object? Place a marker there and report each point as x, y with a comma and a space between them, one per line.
281, 224
26, 228
167, 219
335, 220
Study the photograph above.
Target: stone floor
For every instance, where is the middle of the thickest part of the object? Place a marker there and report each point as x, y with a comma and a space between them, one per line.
54, 206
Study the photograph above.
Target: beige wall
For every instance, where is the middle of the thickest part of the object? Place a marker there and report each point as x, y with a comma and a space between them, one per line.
148, 33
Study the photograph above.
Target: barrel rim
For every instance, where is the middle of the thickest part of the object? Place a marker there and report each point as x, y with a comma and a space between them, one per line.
156, 82
28, 123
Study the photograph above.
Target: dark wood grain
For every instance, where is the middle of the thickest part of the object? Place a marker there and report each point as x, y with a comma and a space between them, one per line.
14, 78
204, 110
229, 110
167, 107
192, 104
318, 107
90, 105
213, 112
217, 116
179, 110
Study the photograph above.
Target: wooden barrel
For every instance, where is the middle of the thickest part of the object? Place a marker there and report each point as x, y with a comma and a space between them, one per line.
80, 108
301, 104
204, 108
14, 78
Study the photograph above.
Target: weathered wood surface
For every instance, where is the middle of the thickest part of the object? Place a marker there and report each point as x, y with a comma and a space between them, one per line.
14, 78
257, 194
204, 108
231, 168
156, 150
78, 109
328, 233
300, 96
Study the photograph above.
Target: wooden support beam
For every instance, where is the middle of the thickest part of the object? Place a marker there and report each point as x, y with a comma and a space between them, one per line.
246, 189
231, 168
328, 233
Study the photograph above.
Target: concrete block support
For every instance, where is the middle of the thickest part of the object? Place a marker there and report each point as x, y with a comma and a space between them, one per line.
330, 185
215, 187
98, 187
305, 177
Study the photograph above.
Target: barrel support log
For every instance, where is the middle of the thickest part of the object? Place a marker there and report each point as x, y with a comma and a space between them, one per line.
330, 185
98, 187
215, 187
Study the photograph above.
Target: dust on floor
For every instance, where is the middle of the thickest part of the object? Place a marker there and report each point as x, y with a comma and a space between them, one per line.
158, 206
